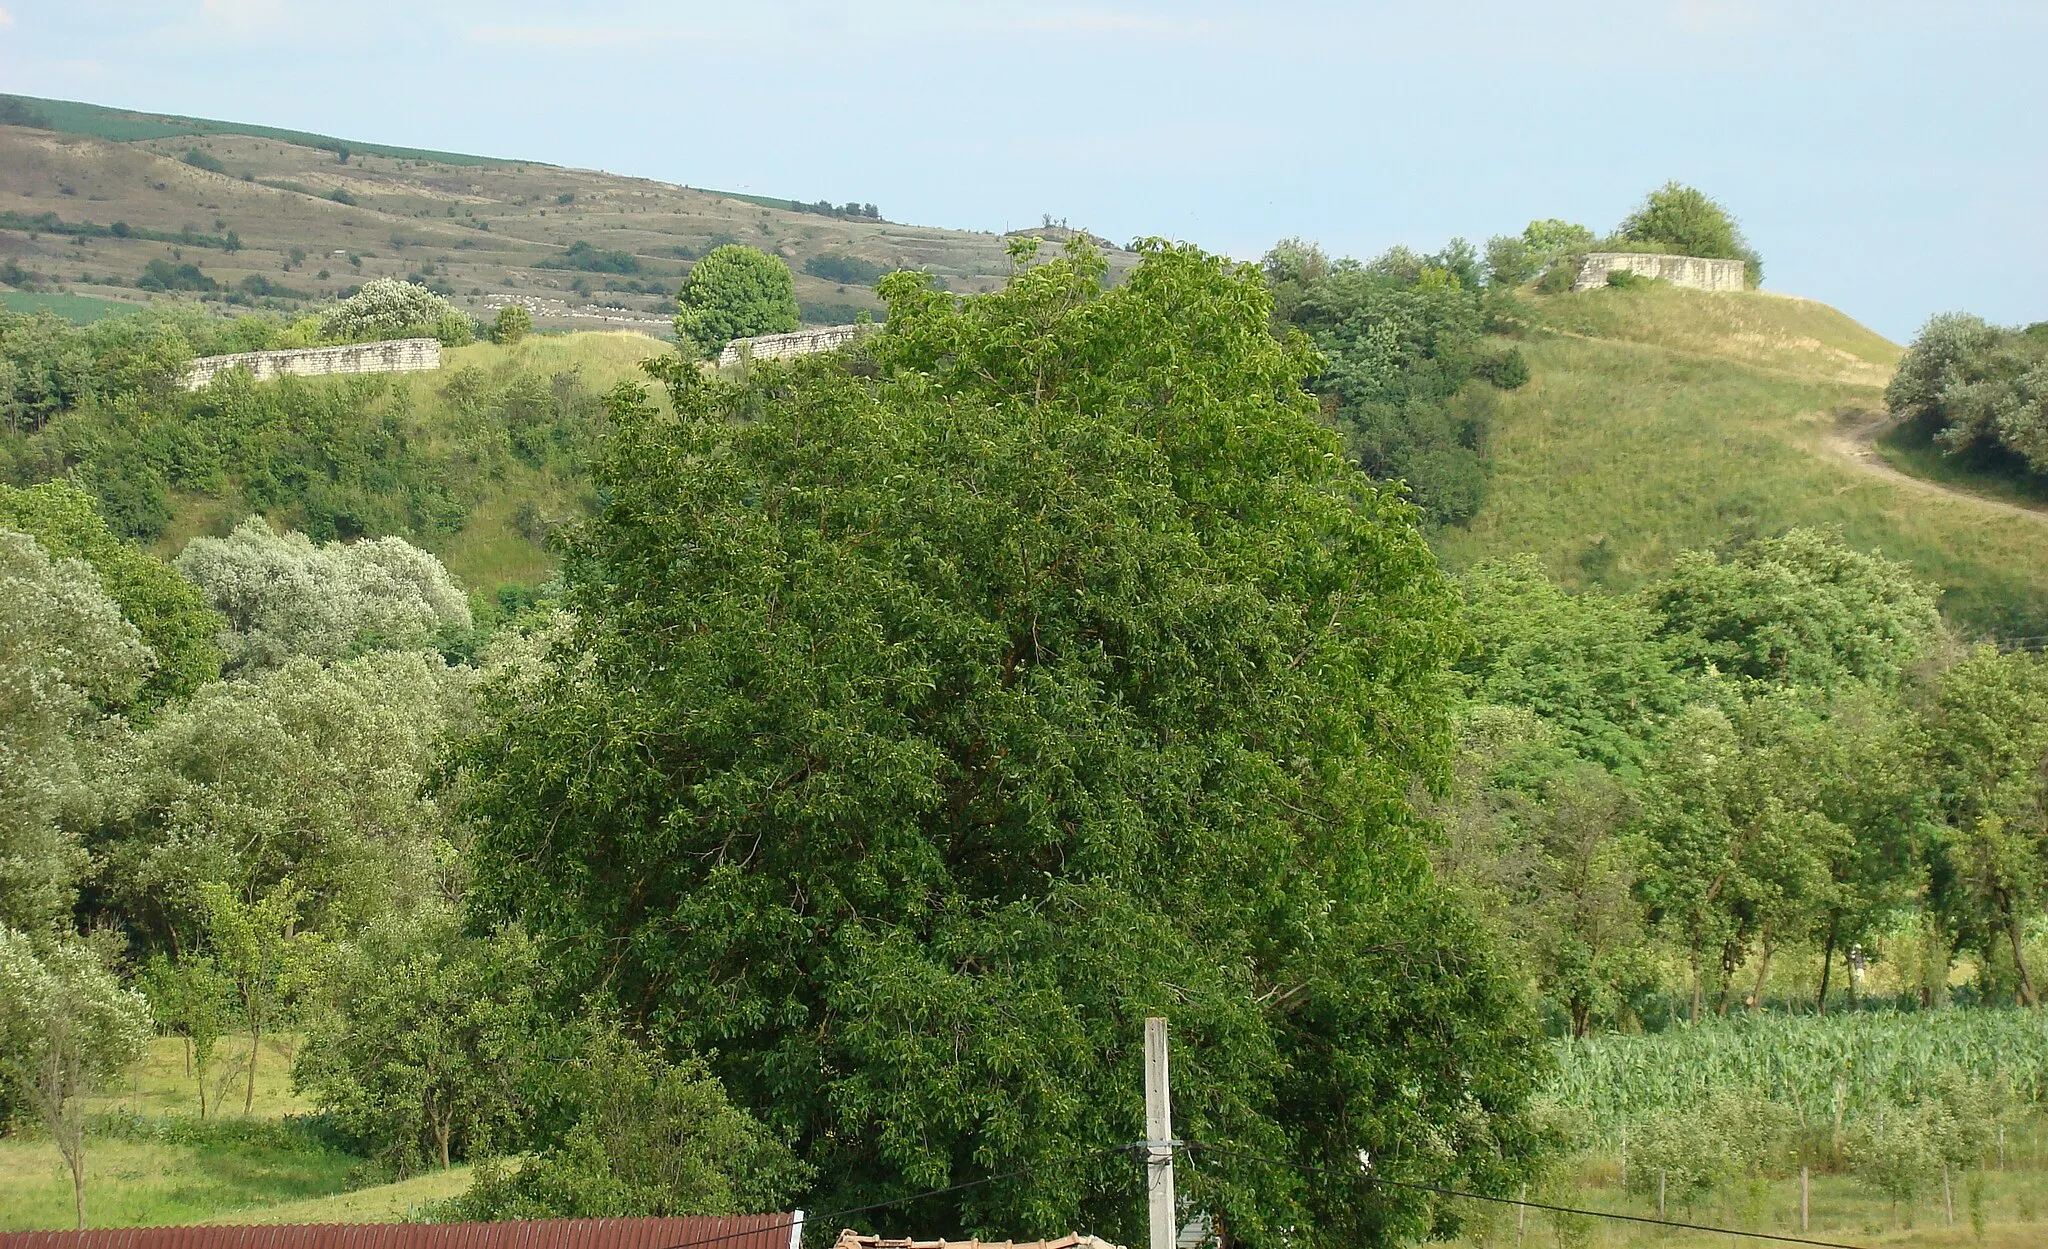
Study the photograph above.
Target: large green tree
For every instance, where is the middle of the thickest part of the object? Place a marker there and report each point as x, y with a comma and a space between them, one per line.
930, 722
735, 291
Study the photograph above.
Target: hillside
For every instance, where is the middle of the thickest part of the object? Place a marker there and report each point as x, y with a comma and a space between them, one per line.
1659, 419
283, 220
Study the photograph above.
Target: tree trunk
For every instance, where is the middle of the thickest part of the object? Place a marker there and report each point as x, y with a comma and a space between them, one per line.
1827, 966
1695, 1017
255, 1044
77, 1161
2019, 954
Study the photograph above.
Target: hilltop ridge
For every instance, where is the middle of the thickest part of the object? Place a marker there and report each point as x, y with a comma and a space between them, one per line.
283, 219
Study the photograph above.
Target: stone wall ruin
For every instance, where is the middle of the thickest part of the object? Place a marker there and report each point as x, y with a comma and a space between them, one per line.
800, 343
1697, 272
398, 355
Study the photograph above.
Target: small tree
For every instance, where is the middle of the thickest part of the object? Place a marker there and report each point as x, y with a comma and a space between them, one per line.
257, 947
651, 1138
1890, 1150
734, 292
420, 1052
194, 1000
1685, 219
66, 1026
513, 324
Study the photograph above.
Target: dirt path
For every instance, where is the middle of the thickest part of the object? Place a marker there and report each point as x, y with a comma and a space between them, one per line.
1849, 442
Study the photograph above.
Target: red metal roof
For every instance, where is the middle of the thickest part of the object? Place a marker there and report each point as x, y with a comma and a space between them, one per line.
747, 1231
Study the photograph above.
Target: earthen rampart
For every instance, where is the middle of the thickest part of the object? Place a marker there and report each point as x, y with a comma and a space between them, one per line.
1698, 272
399, 355
800, 343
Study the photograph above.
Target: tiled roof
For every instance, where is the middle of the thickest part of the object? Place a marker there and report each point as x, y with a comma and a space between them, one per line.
1072, 1240
750, 1231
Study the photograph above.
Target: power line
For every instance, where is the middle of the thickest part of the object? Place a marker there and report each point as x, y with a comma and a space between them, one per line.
1540, 1205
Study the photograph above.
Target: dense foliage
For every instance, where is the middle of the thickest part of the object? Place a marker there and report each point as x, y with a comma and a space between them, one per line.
951, 718
735, 291
1407, 375
1977, 388
914, 721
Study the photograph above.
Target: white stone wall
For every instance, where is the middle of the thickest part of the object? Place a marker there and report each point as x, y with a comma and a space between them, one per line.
801, 343
1694, 271
398, 355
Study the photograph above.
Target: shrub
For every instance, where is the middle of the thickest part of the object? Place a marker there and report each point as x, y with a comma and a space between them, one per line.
582, 255
1505, 368
200, 160
513, 324
340, 195
384, 308
1558, 278
851, 270
651, 1138
455, 329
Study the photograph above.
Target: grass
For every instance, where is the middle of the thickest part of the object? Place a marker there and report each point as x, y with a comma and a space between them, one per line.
1840, 1208
78, 309
1991, 472
150, 1161
1659, 419
380, 1203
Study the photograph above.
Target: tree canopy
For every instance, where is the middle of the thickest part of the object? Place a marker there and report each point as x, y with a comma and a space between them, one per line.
735, 291
927, 724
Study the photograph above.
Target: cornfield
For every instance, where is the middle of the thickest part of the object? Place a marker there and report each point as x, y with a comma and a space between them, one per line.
1802, 1061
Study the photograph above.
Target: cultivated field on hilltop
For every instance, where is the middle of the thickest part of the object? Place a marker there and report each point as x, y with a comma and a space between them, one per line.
312, 216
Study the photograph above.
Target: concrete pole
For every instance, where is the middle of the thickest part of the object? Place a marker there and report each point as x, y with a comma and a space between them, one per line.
1158, 1139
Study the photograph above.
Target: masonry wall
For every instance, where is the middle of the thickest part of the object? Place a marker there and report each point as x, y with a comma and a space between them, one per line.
1697, 272
801, 343
401, 355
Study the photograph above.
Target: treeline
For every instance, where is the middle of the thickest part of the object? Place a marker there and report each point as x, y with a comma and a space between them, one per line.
1765, 774
105, 405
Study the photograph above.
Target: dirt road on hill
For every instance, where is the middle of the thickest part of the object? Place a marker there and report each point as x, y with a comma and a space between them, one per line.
1850, 443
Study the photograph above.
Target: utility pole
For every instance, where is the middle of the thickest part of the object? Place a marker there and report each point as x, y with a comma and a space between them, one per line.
1159, 1140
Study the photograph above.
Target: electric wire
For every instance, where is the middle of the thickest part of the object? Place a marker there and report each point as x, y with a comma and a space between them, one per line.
1369, 1177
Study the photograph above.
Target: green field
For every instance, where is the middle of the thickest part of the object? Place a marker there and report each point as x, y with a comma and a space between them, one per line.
79, 309
1660, 419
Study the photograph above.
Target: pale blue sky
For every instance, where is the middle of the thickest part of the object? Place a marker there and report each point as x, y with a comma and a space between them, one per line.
1886, 157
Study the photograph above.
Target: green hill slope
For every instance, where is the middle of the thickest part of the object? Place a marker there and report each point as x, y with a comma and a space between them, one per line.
1659, 419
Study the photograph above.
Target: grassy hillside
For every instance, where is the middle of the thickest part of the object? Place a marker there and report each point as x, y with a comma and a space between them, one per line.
502, 542
1659, 419
314, 215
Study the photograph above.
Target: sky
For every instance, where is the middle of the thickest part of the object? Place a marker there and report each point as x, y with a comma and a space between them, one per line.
1887, 158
